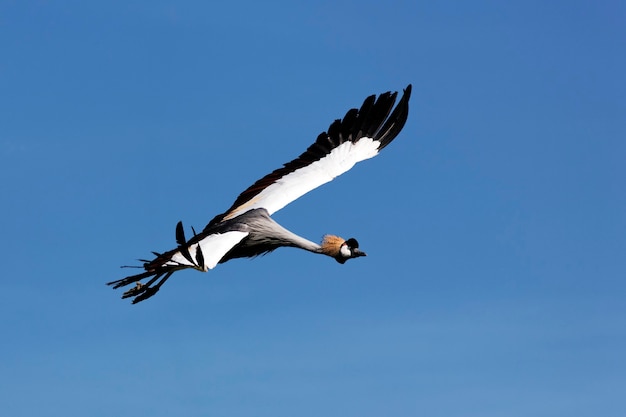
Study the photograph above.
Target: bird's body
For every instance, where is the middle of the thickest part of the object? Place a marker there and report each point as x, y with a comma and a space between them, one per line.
247, 229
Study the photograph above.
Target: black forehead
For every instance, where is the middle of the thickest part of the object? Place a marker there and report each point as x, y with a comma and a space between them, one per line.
352, 242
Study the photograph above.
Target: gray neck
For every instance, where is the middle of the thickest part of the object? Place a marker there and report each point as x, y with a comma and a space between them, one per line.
289, 238
265, 232
306, 244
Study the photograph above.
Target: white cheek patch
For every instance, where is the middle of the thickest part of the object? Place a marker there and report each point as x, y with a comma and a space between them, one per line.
344, 250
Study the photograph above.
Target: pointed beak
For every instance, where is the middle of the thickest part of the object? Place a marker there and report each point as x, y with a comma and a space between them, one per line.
356, 253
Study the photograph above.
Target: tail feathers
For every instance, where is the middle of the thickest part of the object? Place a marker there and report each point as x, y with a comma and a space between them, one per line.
144, 291
160, 269
130, 279
202, 252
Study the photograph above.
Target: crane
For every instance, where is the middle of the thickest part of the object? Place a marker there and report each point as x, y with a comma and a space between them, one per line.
247, 229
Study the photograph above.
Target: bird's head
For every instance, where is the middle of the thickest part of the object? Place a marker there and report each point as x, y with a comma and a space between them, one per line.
340, 249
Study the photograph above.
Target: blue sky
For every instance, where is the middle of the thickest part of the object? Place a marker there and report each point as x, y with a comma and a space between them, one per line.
495, 224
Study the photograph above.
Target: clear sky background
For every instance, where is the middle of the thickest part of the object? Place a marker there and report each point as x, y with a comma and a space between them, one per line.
495, 224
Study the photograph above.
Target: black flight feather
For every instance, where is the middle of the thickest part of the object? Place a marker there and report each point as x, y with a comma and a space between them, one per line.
182, 242
199, 257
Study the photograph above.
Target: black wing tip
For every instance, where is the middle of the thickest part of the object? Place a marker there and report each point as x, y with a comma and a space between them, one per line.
396, 120
376, 118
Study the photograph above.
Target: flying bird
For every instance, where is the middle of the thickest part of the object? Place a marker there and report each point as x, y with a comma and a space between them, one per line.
246, 229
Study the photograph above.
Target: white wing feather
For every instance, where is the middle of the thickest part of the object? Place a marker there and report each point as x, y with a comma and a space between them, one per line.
295, 184
213, 248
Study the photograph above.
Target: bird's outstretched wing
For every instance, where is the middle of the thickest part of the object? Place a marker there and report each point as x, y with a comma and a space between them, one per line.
360, 135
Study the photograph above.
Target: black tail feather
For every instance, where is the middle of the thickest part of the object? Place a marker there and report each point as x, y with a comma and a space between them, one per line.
158, 268
130, 279
141, 288
144, 291
147, 291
